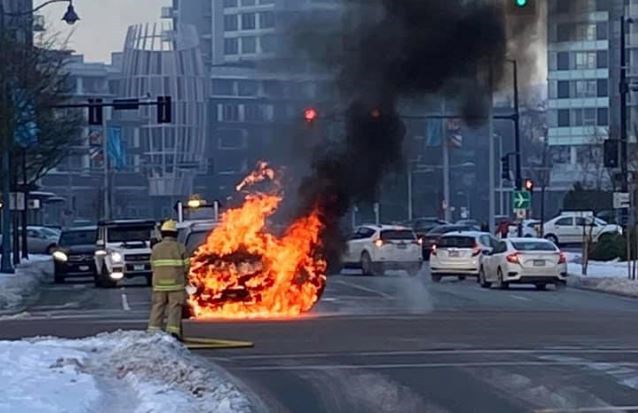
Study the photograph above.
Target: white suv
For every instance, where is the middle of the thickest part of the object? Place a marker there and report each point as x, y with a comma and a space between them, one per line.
376, 248
571, 228
459, 254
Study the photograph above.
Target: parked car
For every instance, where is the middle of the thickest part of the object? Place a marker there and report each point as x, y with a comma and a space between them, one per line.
377, 248
75, 254
459, 254
432, 236
469, 222
422, 225
569, 228
523, 261
531, 228
40, 240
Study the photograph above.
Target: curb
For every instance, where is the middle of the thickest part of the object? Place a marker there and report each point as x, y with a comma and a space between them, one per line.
577, 283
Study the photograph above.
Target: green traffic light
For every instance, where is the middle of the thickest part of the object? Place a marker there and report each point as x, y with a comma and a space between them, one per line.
521, 3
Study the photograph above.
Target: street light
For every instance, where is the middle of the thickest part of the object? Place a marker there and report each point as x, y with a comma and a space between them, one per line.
70, 17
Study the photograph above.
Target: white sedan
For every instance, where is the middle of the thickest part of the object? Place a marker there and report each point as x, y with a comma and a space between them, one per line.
459, 254
523, 261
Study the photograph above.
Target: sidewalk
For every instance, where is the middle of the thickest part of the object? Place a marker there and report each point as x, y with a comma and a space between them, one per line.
129, 371
16, 289
609, 277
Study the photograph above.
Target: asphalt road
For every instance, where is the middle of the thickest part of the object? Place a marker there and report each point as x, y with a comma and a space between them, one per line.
400, 344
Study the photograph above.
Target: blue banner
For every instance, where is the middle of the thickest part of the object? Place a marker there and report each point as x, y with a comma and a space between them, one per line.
26, 130
433, 132
116, 149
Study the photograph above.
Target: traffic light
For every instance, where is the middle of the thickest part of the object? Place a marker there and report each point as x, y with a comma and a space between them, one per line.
611, 153
529, 185
164, 109
310, 115
505, 167
521, 7
96, 116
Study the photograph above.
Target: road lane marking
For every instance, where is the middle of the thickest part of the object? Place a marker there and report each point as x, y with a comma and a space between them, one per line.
435, 352
125, 305
389, 366
518, 297
366, 289
598, 409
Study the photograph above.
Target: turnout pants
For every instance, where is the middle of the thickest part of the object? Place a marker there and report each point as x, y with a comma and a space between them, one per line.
169, 304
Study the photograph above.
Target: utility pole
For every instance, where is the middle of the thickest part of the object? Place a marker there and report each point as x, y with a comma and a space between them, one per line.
492, 160
409, 172
446, 166
5, 265
107, 180
518, 179
624, 91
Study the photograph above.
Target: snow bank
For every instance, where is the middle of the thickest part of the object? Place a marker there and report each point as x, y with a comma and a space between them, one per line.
610, 276
159, 374
43, 378
16, 288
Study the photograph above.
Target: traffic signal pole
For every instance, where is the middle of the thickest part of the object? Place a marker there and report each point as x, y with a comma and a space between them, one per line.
624, 90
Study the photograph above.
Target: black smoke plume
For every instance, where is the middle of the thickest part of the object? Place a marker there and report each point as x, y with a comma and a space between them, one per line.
389, 50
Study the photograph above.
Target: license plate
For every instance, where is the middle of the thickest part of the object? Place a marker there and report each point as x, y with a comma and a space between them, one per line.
401, 246
539, 263
84, 267
453, 253
138, 268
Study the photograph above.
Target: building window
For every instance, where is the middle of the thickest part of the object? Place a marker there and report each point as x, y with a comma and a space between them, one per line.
249, 44
561, 154
602, 88
266, 1
231, 139
248, 21
268, 43
563, 89
603, 117
247, 2
562, 61
266, 20
563, 32
248, 88
602, 31
230, 113
602, 59
231, 46
230, 3
230, 22
253, 112
223, 87
589, 117
585, 60
273, 89
563, 117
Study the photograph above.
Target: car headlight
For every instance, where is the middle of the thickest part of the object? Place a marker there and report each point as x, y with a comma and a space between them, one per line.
60, 256
116, 257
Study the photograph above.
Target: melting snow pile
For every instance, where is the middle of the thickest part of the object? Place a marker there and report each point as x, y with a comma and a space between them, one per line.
114, 372
15, 288
610, 276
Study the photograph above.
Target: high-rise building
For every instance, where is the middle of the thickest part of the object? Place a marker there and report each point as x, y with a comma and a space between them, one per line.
583, 107
259, 86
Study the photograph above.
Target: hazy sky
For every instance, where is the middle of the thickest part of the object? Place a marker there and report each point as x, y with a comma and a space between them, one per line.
103, 23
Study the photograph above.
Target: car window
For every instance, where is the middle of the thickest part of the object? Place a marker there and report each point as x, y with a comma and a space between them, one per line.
129, 233
566, 221
500, 247
48, 232
367, 232
397, 235
456, 242
486, 241
534, 245
194, 240
70, 238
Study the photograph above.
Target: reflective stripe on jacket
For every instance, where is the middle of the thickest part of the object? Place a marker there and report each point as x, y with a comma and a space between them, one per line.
170, 263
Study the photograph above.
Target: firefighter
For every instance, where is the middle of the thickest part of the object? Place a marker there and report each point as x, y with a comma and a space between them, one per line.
170, 263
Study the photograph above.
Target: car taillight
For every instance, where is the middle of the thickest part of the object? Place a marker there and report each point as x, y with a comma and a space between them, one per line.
513, 258
378, 243
476, 251
433, 252
561, 258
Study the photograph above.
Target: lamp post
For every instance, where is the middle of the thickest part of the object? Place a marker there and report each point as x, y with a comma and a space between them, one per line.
70, 17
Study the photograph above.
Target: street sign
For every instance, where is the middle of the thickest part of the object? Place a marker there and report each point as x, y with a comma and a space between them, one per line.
520, 213
621, 200
521, 199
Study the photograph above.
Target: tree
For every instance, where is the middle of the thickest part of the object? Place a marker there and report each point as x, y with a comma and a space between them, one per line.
36, 82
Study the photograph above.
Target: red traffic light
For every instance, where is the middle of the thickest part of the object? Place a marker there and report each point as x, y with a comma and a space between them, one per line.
310, 114
529, 184
375, 113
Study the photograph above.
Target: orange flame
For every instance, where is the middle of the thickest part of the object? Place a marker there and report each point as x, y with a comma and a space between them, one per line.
243, 271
